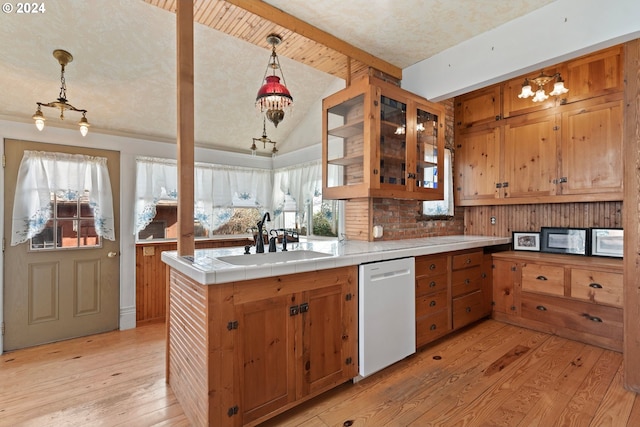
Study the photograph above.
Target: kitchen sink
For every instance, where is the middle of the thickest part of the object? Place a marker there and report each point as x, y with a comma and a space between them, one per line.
272, 257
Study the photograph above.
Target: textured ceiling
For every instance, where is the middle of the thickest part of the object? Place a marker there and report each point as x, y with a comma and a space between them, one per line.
124, 52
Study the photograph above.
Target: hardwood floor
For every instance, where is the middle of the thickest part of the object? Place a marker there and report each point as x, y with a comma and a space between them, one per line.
490, 374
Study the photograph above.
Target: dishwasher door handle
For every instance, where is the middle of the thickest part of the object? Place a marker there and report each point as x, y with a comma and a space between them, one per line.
389, 275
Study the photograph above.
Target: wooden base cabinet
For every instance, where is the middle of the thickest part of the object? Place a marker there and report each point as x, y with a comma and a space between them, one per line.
240, 353
452, 291
571, 296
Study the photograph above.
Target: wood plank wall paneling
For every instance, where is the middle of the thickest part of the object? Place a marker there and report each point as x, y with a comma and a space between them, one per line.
151, 274
187, 369
509, 218
358, 213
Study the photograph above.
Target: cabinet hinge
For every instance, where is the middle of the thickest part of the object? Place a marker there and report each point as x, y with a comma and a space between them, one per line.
2, 328
4, 242
4, 161
232, 325
232, 411
498, 118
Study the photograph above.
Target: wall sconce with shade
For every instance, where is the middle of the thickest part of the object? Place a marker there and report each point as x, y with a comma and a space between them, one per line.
63, 58
265, 140
273, 97
540, 82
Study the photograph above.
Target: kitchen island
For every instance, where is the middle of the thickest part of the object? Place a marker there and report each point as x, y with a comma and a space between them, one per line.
250, 339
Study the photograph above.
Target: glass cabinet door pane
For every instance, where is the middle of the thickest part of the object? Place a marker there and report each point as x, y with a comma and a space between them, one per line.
427, 165
345, 142
393, 127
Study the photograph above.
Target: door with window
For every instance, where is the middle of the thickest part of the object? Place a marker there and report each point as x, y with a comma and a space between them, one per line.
63, 282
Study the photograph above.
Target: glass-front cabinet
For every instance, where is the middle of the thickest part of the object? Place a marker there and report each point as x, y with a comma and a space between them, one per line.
382, 141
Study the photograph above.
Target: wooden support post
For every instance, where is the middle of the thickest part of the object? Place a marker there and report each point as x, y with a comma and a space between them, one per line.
184, 30
631, 213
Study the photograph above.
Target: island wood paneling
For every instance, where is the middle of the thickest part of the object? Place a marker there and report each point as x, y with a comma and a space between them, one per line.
151, 276
509, 218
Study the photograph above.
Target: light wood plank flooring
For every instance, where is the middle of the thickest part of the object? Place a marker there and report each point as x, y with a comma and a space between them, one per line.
490, 374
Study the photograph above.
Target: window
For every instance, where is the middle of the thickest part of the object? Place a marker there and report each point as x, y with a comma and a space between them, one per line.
440, 208
71, 225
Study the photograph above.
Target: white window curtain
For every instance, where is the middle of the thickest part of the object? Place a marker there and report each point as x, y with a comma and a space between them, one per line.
215, 188
442, 207
301, 182
68, 176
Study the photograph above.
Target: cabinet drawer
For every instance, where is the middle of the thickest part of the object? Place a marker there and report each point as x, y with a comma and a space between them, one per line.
466, 281
429, 284
429, 304
428, 266
597, 286
542, 278
564, 313
467, 260
429, 328
467, 309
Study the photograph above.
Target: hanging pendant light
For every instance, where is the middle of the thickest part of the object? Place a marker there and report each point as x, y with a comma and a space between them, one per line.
61, 103
265, 140
273, 97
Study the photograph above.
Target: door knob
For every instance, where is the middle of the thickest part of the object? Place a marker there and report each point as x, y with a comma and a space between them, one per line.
112, 254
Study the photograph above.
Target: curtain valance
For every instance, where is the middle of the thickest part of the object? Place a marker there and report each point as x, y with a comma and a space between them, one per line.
68, 176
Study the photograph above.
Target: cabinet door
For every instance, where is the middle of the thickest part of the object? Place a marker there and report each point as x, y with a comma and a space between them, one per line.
530, 156
393, 142
477, 107
592, 148
425, 151
505, 281
329, 355
594, 75
265, 355
478, 165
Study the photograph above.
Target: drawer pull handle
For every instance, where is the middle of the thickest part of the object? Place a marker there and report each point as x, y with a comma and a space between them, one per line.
541, 308
433, 327
467, 281
432, 304
467, 261
468, 309
595, 319
432, 284
541, 278
595, 285
432, 267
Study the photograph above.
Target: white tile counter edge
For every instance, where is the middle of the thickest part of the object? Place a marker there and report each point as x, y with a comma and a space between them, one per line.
207, 269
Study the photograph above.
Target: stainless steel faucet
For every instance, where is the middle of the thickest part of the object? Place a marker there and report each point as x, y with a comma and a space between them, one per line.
259, 239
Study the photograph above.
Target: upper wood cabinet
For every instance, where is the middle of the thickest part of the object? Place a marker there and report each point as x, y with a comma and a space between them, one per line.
594, 75
478, 107
563, 150
381, 141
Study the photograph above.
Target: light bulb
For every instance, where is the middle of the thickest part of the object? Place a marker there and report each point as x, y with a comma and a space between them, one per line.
540, 96
84, 130
40, 124
558, 88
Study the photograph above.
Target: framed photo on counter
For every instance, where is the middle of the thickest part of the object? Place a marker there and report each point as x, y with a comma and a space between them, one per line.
526, 241
607, 242
559, 240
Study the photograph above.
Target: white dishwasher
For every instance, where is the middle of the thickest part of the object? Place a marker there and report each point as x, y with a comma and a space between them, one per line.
386, 314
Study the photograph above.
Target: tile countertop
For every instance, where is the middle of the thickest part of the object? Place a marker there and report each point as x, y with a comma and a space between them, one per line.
207, 269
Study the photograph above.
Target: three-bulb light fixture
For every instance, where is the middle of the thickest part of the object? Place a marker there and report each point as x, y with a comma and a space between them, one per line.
61, 103
265, 140
540, 82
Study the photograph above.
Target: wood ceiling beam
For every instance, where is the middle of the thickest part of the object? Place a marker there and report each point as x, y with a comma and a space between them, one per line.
283, 19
